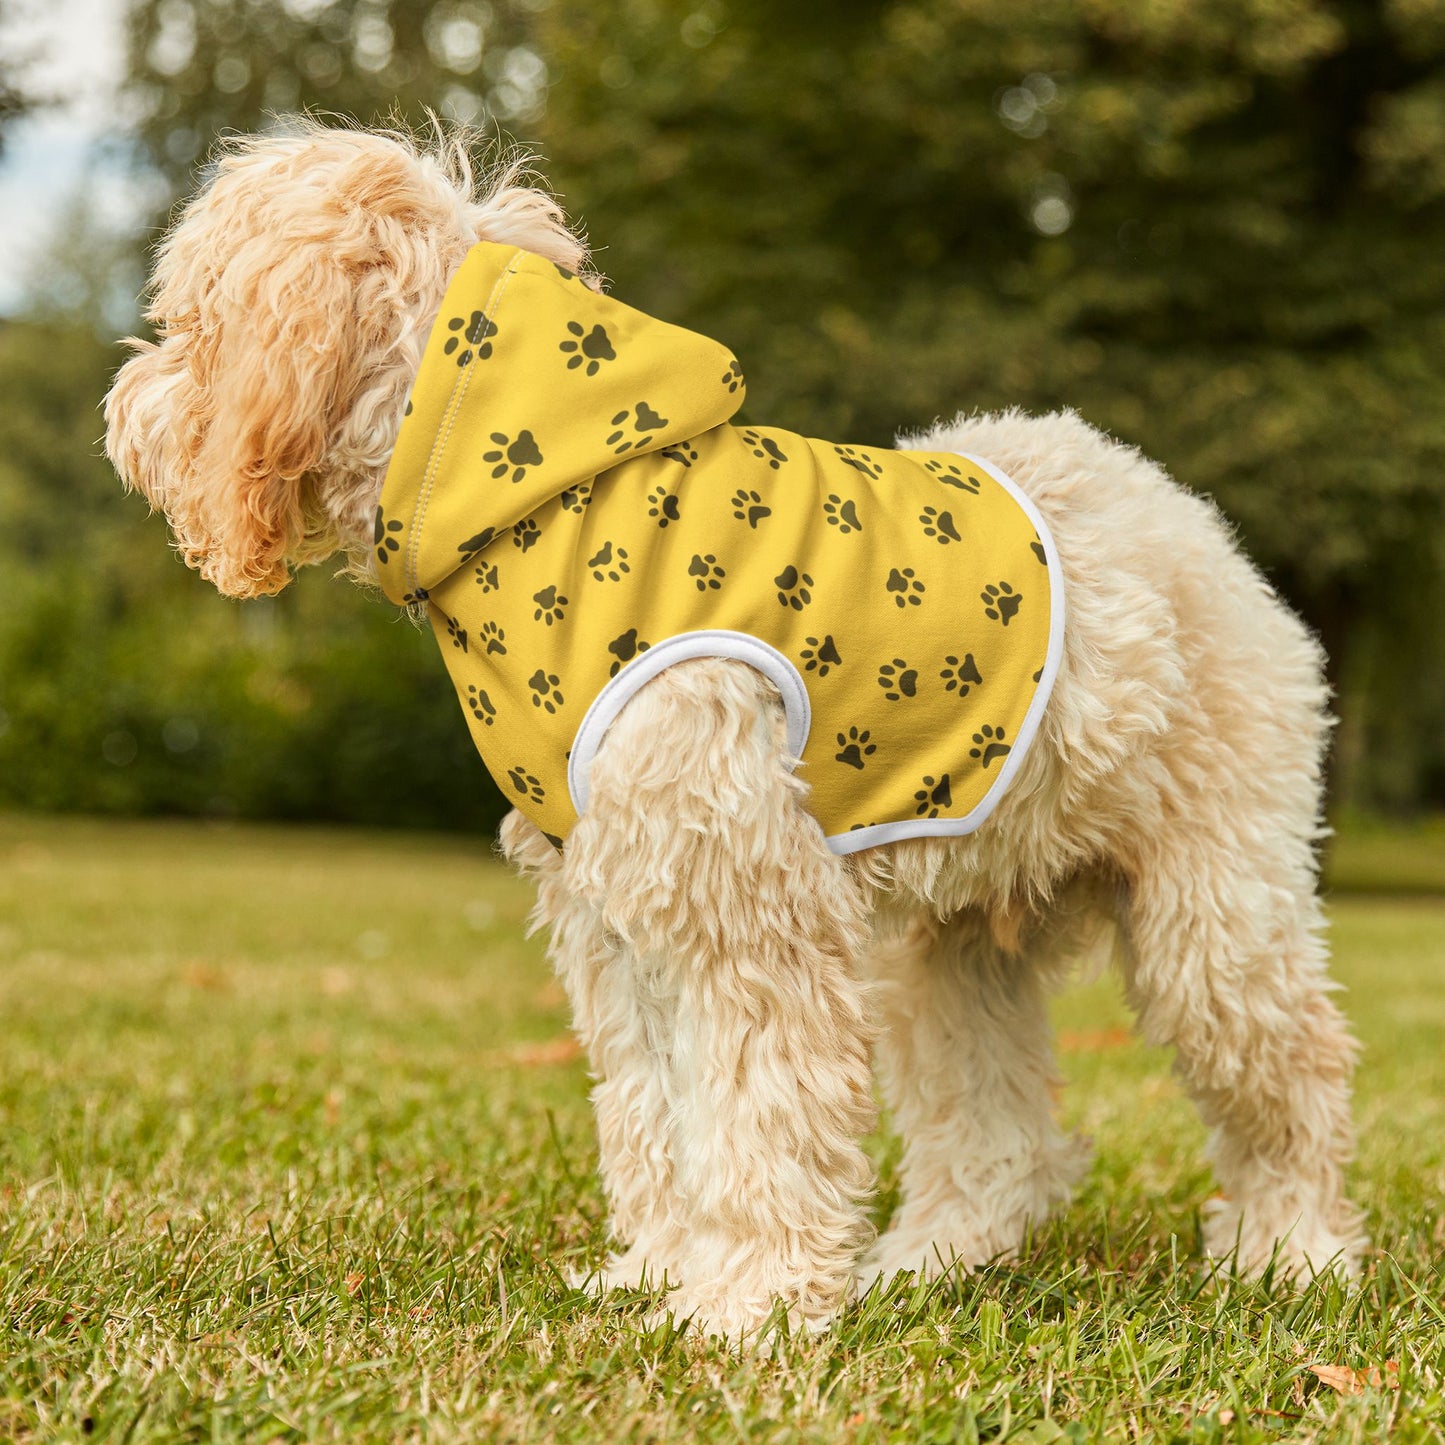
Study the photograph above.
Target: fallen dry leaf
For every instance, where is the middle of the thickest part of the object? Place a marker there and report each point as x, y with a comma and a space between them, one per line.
354, 1283
1095, 1042
560, 1050
1347, 1381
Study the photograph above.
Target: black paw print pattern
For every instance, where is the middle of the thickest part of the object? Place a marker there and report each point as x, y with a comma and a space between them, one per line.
732, 378
842, 514
1000, 602
625, 648
821, 655
545, 690
587, 349
494, 638
749, 507
765, 449
859, 461
609, 564
483, 709
933, 795
898, 680
794, 588
682, 453
643, 420
513, 455
487, 578
1038, 550
939, 526
705, 571
385, 535
952, 475
990, 744
477, 543
663, 507
551, 606
960, 676
906, 588
476, 331
526, 533
457, 633
525, 784
575, 499
855, 748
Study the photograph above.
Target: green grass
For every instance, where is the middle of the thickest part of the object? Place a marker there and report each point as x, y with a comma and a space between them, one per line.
284, 1155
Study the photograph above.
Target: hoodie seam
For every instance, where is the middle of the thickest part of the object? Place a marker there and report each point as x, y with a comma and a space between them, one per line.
449, 416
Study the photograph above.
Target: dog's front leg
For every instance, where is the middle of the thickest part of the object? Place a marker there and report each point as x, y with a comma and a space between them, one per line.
729, 933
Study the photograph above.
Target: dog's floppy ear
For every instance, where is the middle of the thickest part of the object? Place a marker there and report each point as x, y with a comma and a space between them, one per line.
275, 351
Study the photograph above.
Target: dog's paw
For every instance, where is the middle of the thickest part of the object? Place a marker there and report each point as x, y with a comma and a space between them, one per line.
754, 1324
1298, 1245
633, 1270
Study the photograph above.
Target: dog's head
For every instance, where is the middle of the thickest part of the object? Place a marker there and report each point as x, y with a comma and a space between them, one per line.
291, 302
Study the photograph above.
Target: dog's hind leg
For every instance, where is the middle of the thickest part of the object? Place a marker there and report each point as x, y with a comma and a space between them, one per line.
1226, 962
741, 930
966, 1060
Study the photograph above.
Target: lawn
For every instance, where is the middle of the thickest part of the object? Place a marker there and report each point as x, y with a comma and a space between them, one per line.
293, 1146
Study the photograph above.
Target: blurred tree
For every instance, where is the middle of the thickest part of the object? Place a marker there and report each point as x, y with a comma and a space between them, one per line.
15, 98
1216, 229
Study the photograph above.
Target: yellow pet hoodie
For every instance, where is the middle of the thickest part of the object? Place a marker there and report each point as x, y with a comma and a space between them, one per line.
570, 501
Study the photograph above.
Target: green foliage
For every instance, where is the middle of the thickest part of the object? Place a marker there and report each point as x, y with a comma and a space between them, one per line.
286, 1155
128, 686
1217, 230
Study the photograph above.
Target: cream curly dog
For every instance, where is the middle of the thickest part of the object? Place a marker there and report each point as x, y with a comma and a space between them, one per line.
731, 976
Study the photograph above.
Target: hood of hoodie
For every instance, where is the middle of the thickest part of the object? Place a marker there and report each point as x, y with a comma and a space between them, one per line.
491, 433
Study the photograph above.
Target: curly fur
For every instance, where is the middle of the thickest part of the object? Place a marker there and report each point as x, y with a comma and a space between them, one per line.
729, 976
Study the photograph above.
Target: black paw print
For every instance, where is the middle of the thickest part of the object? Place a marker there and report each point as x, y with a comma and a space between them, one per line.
624, 649
483, 709
960, 676
1000, 602
898, 680
609, 564
479, 542
487, 578
545, 692
494, 637
855, 747
682, 452
384, 533
842, 515
821, 655
420, 595
859, 461
954, 476
748, 507
939, 526
765, 449
526, 533
990, 744
644, 420
588, 349
514, 456
664, 507
551, 607
706, 571
906, 587
1038, 550
575, 499
732, 378
526, 784
933, 795
793, 588
477, 330
457, 633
